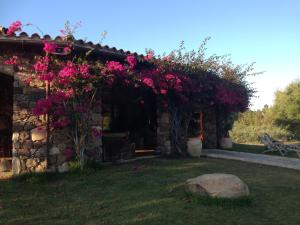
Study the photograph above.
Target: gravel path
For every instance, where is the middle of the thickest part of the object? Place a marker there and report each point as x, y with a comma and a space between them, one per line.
291, 163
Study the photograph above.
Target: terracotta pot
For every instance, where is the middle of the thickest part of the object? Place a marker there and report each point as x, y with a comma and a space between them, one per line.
194, 147
226, 143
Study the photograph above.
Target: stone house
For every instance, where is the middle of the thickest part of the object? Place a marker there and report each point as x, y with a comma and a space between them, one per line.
31, 149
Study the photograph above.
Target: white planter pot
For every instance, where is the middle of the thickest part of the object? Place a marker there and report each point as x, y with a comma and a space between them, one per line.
226, 143
194, 147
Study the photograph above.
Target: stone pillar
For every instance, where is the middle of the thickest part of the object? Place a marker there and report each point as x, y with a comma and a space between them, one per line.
94, 147
29, 134
210, 129
163, 133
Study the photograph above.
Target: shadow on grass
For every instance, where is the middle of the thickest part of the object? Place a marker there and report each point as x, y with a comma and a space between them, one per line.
180, 192
48, 177
221, 202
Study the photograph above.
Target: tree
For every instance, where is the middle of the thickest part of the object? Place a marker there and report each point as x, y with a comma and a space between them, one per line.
286, 109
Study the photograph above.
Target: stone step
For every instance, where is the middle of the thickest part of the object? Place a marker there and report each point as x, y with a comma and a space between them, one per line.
5, 164
143, 152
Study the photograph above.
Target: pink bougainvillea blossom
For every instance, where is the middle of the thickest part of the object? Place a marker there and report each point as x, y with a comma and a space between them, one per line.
225, 96
42, 107
170, 76
148, 81
58, 97
50, 47
234, 98
84, 70
69, 93
14, 27
131, 60
27, 80
67, 50
96, 133
63, 32
41, 65
47, 76
149, 55
167, 58
59, 111
163, 91
115, 66
12, 61
68, 70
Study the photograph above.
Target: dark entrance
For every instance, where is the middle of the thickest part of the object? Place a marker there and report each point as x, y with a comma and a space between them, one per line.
6, 112
129, 119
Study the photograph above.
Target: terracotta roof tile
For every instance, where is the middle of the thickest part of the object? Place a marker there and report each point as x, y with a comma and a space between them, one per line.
37, 39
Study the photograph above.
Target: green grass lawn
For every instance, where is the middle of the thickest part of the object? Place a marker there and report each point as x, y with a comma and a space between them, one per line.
150, 192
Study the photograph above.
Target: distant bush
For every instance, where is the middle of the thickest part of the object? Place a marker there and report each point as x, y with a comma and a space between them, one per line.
251, 125
252, 133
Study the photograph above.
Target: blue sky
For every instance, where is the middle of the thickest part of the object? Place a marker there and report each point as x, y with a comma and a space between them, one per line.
267, 32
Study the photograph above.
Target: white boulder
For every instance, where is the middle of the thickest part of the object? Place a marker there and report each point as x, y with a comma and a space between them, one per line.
218, 185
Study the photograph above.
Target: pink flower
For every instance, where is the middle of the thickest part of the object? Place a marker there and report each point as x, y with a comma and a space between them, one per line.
114, 66
84, 70
11, 61
47, 76
167, 58
58, 97
96, 133
149, 55
50, 47
42, 107
131, 61
69, 93
41, 66
67, 50
63, 32
14, 27
28, 80
169, 76
163, 91
148, 81
68, 71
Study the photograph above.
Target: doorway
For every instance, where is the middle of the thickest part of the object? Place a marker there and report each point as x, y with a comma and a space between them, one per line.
6, 113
